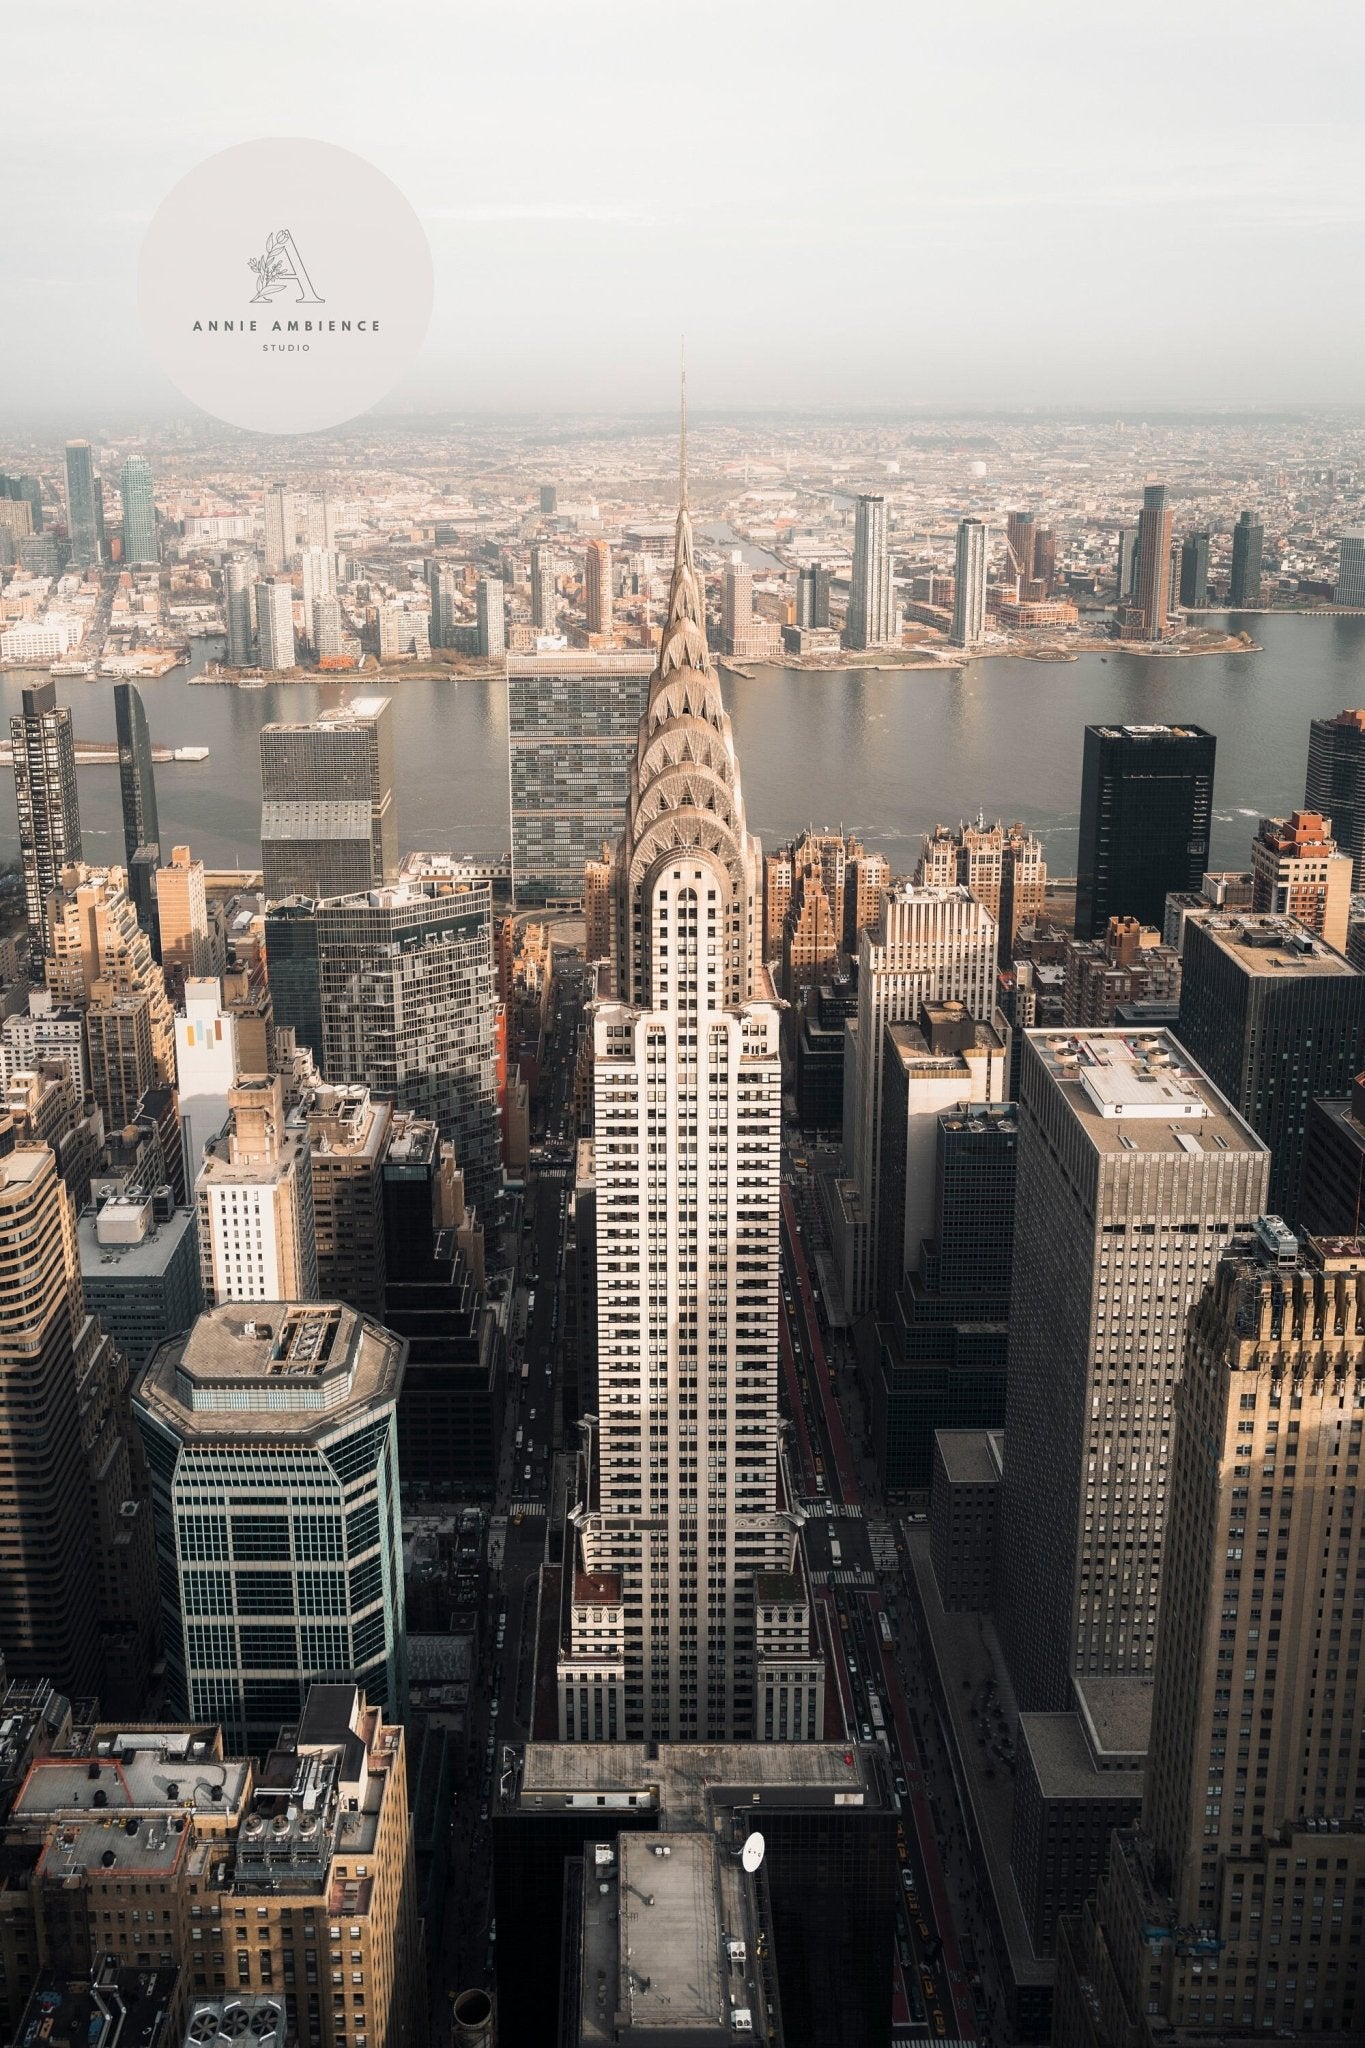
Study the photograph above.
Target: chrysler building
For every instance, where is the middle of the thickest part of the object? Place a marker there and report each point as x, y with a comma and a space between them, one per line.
687, 1604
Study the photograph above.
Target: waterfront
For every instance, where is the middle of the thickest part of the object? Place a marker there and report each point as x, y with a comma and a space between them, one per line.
885, 753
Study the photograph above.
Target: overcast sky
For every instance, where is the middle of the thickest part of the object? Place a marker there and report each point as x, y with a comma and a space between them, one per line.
872, 203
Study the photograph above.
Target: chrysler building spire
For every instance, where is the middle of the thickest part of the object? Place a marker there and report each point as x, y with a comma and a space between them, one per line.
683, 1506
685, 794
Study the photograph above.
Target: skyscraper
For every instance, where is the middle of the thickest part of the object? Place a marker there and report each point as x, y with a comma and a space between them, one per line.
572, 722
25, 490
47, 1584
1194, 571
932, 946
1125, 564
969, 593
869, 596
275, 622
257, 1237
812, 596
1244, 589
1335, 786
319, 567
812, 930
1146, 810
44, 752
491, 617
544, 589
1132, 1170
940, 1355
348, 1133
452, 1415
237, 612
319, 522
82, 512
291, 951
945, 1057
280, 528
1350, 588
326, 628
597, 594
182, 915
680, 1511
98, 953
737, 605
1020, 539
137, 784
328, 821
1002, 865
1275, 1018
271, 1435
1229, 1910
1044, 559
1152, 597
397, 985
139, 513
1297, 871
443, 582
70, 1580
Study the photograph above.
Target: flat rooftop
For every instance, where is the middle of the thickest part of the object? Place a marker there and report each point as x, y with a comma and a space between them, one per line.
1140, 1091
145, 1259
219, 1167
1117, 1713
143, 1772
1064, 1764
916, 1053
1149, 732
260, 1368
967, 1456
1264, 944
670, 1927
23, 1165
675, 1781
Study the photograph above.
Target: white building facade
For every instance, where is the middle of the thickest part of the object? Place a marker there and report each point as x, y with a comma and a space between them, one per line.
684, 1508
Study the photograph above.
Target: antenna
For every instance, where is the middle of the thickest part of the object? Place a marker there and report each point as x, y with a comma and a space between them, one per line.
751, 1855
682, 421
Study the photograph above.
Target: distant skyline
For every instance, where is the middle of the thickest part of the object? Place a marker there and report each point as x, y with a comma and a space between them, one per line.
881, 207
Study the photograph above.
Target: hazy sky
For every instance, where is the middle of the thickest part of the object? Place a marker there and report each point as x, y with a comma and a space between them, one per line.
879, 202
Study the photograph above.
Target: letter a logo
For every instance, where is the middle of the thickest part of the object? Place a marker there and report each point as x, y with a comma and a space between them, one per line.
281, 266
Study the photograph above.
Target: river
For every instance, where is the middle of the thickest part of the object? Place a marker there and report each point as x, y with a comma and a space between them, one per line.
884, 754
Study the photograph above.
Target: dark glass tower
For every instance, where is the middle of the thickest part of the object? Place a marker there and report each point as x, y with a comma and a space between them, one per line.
137, 784
1146, 807
1335, 786
139, 513
454, 1381
291, 951
1245, 588
943, 1348
1194, 571
1275, 1018
82, 508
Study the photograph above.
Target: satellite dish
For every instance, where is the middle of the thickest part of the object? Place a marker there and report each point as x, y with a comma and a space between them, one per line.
751, 1855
